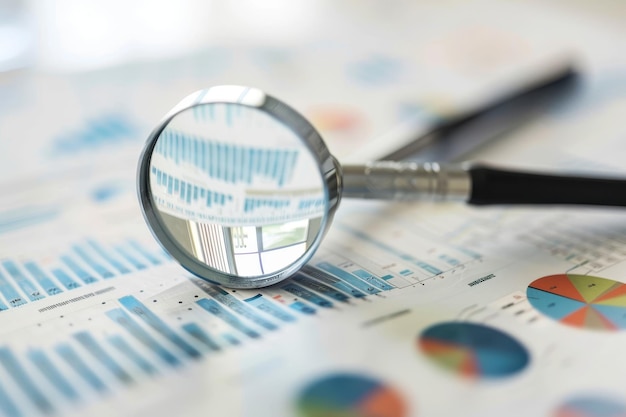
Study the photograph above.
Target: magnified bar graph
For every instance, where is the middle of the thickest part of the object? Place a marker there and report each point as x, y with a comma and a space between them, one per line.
182, 148
188, 192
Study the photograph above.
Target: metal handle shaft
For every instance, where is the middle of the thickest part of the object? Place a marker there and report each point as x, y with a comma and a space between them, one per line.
406, 181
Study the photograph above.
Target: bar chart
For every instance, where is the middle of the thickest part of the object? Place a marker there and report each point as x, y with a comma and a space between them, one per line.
218, 160
143, 342
24, 281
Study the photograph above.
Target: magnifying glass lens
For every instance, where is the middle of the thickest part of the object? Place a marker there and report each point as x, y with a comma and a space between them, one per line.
237, 195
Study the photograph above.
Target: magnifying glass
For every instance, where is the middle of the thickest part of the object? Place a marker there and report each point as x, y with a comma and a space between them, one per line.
240, 188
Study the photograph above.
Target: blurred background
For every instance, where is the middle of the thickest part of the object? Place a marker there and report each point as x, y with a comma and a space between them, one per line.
79, 77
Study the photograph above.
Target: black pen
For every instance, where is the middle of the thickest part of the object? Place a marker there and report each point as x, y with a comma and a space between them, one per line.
450, 139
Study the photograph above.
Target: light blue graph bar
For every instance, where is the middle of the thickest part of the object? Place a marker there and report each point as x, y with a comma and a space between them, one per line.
230, 339
131, 353
348, 277
449, 260
126, 321
228, 300
121, 268
332, 281
7, 406
387, 277
372, 279
217, 310
302, 308
101, 270
307, 295
10, 293
270, 308
201, 336
65, 279
152, 320
150, 257
83, 275
93, 347
69, 355
123, 252
52, 373
32, 292
24, 381
42, 278
320, 288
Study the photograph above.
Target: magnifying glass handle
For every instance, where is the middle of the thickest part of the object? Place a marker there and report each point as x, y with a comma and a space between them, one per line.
477, 185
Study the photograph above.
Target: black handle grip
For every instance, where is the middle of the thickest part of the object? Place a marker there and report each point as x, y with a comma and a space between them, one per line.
496, 186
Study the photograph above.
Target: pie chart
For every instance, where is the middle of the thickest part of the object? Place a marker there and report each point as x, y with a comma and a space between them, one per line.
580, 301
591, 407
473, 350
353, 395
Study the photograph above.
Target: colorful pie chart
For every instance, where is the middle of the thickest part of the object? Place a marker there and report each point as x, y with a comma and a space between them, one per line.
580, 301
591, 407
473, 350
350, 395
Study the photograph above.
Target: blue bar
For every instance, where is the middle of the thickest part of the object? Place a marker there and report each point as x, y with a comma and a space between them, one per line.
24, 283
68, 354
24, 381
125, 348
428, 268
372, 279
65, 279
126, 321
229, 115
106, 256
332, 281
102, 271
80, 272
231, 339
214, 308
153, 260
302, 308
10, 293
307, 295
201, 336
7, 406
449, 260
93, 347
348, 277
51, 372
134, 262
270, 308
151, 319
219, 173
320, 288
228, 300
406, 272
387, 277
46, 283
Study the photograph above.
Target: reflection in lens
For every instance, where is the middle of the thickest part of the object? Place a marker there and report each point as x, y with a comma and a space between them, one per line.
237, 189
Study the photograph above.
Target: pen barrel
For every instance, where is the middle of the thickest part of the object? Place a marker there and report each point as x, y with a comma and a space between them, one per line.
498, 186
390, 180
